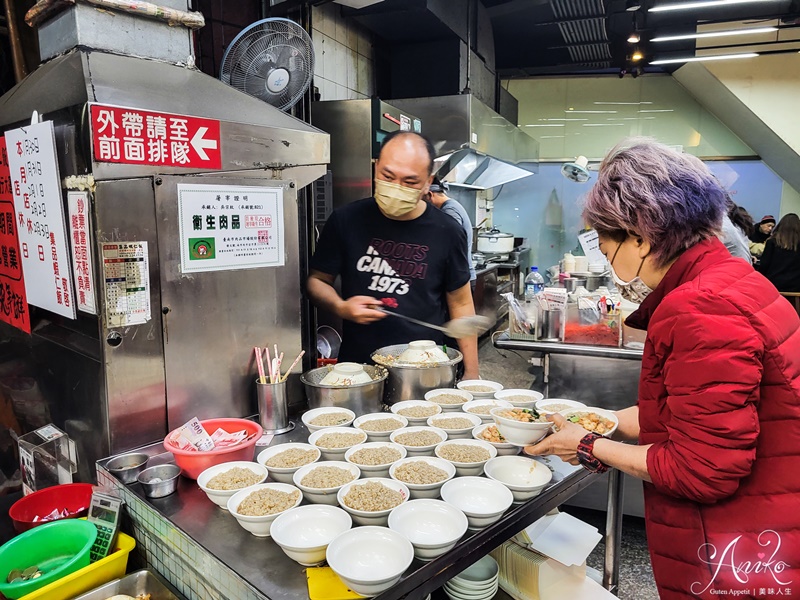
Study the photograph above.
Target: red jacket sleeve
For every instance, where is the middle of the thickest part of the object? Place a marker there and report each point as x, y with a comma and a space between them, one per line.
712, 367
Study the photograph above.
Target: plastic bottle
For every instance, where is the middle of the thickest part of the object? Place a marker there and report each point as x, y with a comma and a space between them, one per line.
534, 284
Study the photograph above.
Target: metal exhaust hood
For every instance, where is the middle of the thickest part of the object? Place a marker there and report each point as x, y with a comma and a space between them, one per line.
476, 148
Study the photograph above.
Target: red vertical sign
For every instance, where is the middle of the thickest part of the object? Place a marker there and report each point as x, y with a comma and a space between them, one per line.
13, 302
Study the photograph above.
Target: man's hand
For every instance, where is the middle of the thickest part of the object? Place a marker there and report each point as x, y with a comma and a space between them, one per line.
360, 309
563, 443
471, 374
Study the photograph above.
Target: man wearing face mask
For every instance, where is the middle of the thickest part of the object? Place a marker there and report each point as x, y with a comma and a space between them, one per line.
394, 250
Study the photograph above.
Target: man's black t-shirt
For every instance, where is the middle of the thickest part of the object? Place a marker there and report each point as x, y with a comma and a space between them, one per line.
413, 262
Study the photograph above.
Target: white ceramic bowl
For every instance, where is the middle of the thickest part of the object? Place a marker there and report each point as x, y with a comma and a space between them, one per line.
517, 432
479, 572
532, 397
419, 450
453, 593
398, 406
525, 477
466, 384
424, 490
283, 474
433, 527
423, 352
304, 532
600, 411
503, 448
490, 402
431, 395
220, 497
374, 470
379, 436
483, 500
461, 433
323, 495
312, 414
377, 517
460, 590
335, 453
345, 374
548, 406
370, 560
259, 526
467, 468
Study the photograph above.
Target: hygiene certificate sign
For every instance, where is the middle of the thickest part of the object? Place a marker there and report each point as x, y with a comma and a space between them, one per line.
226, 228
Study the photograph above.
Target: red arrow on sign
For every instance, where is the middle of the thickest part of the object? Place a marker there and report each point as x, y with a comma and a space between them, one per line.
143, 137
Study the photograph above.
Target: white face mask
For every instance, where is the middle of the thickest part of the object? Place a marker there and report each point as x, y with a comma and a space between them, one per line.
395, 200
634, 290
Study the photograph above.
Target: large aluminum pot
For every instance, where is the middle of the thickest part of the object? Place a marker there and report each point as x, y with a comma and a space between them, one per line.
361, 398
410, 382
495, 242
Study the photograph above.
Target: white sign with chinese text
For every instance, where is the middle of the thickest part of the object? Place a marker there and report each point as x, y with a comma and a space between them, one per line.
591, 247
80, 235
126, 275
40, 219
224, 228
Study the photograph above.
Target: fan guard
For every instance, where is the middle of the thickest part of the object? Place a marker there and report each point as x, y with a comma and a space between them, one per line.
272, 59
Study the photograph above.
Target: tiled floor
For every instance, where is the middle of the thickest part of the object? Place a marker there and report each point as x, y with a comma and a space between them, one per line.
636, 575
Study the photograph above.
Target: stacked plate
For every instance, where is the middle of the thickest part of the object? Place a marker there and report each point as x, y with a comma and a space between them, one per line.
478, 582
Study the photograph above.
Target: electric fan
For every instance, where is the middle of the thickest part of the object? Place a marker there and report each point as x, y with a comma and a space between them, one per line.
272, 59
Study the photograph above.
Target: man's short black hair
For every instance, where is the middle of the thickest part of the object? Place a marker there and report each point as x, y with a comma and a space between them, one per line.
426, 142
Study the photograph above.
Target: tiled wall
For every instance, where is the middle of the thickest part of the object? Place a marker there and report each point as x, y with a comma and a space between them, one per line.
344, 61
193, 571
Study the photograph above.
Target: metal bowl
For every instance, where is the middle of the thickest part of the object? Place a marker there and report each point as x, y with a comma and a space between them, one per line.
127, 466
410, 382
159, 481
361, 398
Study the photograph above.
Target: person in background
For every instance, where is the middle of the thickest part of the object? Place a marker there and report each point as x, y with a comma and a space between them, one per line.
394, 250
716, 427
734, 235
437, 196
780, 262
761, 234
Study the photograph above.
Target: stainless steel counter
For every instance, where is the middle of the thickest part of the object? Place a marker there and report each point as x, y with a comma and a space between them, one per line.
504, 342
270, 574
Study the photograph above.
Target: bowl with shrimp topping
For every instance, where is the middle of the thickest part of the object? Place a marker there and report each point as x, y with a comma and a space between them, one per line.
488, 432
596, 420
521, 426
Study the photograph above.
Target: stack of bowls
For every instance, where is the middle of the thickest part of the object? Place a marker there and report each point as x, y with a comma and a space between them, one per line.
304, 532
478, 582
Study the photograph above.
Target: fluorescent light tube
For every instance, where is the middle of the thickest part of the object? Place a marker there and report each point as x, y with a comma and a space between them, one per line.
703, 4
668, 61
712, 34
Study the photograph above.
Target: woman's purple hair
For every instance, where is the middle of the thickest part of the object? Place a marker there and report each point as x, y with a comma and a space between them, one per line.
645, 188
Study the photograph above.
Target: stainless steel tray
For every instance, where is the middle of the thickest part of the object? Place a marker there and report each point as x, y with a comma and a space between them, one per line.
140, 582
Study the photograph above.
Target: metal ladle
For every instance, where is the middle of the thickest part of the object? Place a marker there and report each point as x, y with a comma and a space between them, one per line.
457, 328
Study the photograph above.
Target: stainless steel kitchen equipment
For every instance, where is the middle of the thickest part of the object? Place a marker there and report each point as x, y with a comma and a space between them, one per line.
477, 148
495, 241
357, 129
115, 387
410, 382
361, 398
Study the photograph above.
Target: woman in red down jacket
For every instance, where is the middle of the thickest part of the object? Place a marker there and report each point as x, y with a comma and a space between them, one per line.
718, 416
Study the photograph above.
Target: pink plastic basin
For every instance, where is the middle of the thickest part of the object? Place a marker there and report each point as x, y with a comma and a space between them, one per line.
194, 463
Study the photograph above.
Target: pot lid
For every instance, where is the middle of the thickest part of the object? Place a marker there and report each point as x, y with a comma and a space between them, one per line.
494, 233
